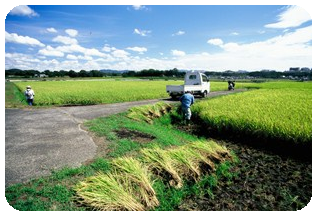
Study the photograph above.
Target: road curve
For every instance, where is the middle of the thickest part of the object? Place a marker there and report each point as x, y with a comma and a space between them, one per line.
39, 141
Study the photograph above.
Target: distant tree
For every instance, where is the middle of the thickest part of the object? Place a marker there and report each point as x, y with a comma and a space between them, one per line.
82, 73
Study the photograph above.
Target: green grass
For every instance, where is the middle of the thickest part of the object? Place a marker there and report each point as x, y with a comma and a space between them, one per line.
54, 192
119, 173
162, 136
14, 98
278, 110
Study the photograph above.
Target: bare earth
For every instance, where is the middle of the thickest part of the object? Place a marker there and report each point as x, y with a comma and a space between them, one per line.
41, 140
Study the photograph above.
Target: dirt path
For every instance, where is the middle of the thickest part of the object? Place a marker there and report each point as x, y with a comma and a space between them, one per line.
41, 140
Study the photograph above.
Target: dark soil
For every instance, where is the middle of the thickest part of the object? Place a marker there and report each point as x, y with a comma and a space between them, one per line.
264, 180
136, 136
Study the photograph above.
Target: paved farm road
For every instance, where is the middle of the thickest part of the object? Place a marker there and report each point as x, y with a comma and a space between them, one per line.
41, 140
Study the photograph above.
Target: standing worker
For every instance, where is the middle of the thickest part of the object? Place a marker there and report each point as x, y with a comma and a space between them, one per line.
29, 94
186, 101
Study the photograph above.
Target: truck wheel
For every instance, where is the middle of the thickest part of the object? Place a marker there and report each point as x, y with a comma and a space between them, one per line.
204, 94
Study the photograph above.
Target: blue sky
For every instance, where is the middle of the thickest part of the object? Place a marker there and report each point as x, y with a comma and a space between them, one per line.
140, 37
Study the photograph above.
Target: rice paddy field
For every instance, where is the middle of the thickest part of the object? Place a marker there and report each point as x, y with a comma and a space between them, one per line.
97, 92
277, 110
151, 160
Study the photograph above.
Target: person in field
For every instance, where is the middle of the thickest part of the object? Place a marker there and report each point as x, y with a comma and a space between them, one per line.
186, 101
231, 85
29, 94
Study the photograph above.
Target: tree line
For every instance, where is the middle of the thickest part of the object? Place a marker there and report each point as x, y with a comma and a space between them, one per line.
61, 73
151, 73
94, 73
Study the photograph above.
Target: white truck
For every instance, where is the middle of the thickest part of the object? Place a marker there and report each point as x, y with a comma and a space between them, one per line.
195, 82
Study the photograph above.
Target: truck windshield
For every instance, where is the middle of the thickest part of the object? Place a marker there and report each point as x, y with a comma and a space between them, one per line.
204, 78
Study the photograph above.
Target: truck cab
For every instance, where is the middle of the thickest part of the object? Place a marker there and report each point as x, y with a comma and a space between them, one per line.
195, 82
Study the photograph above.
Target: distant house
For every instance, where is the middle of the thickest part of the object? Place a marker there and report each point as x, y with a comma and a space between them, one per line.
305, 69
41, 76
295, 69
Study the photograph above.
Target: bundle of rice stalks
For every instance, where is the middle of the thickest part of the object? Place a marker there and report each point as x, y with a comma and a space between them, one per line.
108, 192
139, 178
159, 161
129, 186
149, 112
211, 150
186, 162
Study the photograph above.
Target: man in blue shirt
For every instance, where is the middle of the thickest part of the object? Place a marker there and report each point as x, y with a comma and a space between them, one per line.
186, 101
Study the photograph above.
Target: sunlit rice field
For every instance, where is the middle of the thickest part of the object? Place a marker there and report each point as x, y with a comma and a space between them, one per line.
279, 110
96, 92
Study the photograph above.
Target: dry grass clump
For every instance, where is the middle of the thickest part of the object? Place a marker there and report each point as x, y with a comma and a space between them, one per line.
186, 161
108, 192
149, 112
159, 161
129, 184
139, 177
126, 187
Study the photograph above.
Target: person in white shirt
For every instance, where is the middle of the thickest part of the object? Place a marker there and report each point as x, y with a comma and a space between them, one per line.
29, 94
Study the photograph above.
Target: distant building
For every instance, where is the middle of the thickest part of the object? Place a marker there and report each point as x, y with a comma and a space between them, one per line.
296, 69
305, 69
41, 76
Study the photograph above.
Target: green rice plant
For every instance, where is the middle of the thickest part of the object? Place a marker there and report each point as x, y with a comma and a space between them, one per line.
278, 110
139, 177
94, 92
108, 192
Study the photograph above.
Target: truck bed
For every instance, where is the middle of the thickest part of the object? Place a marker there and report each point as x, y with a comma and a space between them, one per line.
183, 88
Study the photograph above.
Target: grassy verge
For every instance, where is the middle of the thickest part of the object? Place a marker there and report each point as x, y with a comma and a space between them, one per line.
14, 98
127, 167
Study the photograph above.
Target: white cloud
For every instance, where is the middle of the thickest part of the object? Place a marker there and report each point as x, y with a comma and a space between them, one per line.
73, 57
21, 61
23, 10
138, 7
179, 33
215, 41
26, 40
75, 48
178, 52
65, 40
72, 32
140, 50
292, 48
51, 30
50, 51
120, 53
94, 52
108, 48
234, 34
142, 32
293, 16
